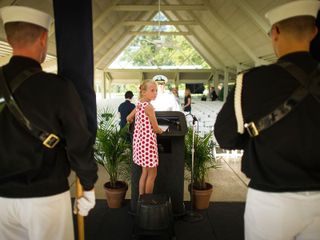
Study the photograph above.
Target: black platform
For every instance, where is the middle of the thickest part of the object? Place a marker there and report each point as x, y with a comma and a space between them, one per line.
170, 172
222, 220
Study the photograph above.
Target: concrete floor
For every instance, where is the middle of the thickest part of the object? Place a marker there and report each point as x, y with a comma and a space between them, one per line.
229, 183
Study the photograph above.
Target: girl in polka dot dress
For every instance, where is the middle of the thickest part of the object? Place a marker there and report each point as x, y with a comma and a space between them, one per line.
145, 148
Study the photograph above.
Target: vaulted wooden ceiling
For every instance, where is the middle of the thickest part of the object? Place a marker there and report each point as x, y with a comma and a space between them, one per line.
228, 34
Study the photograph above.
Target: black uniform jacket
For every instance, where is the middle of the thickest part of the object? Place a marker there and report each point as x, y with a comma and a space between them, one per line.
53, 104
286, 156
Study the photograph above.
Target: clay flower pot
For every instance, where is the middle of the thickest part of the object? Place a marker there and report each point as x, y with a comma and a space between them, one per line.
115, 196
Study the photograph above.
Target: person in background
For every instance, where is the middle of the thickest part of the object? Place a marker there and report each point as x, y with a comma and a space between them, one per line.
164, 101
281, 151
126, 108
145, 148
213, 95
187, 100
34, 192
176, 94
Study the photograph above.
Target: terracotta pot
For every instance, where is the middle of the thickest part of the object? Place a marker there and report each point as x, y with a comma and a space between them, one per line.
201, 198
115, 196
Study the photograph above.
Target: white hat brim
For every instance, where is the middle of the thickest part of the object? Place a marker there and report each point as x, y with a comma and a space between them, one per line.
293, 9
25, 14
160, 78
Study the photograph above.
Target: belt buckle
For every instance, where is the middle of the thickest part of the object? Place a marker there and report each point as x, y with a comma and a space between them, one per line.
251, 129
51, 141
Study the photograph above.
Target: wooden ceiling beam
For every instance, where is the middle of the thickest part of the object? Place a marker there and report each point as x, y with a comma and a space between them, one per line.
135, 8
147, 70
103, 15
127, 42
157, 33
217, 61
232, 34
110, 33
260, 21
155, 23
219, 43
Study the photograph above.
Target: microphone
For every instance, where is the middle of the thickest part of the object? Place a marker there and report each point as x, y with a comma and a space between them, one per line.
194, 118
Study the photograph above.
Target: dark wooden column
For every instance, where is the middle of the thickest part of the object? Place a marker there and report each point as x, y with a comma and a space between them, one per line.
74, 41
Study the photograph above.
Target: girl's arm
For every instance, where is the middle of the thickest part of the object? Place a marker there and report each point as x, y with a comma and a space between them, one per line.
149, 110
130, 117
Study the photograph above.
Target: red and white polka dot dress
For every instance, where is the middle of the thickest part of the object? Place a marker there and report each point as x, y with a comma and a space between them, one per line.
145, 148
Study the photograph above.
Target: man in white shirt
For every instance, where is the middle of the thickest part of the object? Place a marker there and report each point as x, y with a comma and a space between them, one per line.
165, 101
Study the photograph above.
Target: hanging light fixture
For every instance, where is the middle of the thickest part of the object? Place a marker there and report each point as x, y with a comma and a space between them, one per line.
159, 42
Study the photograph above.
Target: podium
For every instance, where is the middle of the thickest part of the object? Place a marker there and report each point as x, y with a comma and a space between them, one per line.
170, 177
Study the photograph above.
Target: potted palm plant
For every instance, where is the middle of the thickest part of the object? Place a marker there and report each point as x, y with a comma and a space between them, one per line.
113, 152
203, 161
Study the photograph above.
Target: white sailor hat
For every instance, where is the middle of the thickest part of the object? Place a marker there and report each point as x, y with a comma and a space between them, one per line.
25, 14
293, 9
160, 79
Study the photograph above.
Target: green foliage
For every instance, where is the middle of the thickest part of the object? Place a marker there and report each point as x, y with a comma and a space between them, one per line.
176, 51
203, 157
160, 50
112, 150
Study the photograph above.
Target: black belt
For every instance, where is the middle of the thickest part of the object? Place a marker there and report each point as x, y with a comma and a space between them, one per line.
49, 140
308, 83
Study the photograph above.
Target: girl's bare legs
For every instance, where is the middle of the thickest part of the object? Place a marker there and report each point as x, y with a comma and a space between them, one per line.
151, 177
142, 181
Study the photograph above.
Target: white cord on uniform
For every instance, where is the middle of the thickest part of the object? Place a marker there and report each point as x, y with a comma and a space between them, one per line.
237, 104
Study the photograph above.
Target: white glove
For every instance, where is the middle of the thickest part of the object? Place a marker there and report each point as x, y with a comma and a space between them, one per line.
85, 203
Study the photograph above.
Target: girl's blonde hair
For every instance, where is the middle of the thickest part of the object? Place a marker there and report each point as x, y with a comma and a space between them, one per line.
144, 85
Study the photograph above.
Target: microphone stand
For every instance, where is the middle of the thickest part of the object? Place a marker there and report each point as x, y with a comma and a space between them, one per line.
191, 215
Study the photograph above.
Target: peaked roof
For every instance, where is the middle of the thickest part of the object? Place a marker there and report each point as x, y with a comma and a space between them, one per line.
158, 48
228, 34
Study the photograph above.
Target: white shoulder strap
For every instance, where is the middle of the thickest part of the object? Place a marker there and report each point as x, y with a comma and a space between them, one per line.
237, 104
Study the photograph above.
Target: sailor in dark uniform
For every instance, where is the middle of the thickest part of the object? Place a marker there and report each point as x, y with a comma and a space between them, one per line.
34, 190
276, 121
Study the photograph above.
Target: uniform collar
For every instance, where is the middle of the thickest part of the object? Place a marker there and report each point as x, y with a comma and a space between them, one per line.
295, 55
303, 60
25, 61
